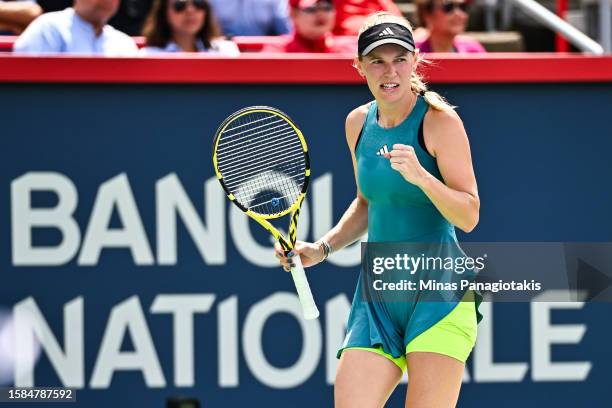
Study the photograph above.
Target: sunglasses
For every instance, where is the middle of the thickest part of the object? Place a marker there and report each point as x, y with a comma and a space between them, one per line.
321, 6
181, 5
449, 7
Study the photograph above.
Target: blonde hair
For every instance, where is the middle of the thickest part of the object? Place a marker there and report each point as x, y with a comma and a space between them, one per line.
417, 84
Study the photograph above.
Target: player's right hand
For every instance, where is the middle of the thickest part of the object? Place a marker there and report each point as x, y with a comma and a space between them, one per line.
310, 253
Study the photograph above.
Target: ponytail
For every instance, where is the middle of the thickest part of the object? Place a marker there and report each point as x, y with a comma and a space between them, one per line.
418, 86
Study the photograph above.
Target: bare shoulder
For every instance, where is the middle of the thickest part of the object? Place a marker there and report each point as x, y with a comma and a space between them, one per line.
443, 129
354, 122
443, 118
440, 124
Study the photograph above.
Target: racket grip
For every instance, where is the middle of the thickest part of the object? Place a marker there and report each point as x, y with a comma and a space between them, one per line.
309, 307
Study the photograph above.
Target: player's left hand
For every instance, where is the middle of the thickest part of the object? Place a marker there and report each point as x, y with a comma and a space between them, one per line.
403, 159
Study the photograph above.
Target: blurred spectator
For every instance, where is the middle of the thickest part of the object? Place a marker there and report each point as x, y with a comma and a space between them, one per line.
252, 17
313, 22
16, 15
184, 26
131, 16
128, 19
81, 30
445, 20
352, 13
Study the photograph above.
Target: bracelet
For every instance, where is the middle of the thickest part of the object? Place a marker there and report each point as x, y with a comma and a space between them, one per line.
327, 249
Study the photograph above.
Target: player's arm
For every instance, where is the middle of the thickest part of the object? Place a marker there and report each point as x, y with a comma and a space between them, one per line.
457, 197
354, 222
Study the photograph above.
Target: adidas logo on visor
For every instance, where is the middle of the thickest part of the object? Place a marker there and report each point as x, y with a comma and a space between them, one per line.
386, 31
386, 34
382, 150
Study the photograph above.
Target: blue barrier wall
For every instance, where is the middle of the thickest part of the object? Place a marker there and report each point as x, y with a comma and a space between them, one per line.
126, 153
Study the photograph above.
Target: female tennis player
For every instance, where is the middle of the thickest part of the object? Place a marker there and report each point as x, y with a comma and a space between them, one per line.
415, 183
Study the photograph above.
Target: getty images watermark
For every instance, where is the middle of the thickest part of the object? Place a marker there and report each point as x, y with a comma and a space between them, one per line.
458, 265
509, 271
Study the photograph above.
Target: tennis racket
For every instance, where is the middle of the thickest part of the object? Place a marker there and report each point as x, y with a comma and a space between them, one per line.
261, 160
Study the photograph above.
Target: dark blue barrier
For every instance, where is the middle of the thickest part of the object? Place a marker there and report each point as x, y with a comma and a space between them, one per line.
127, 153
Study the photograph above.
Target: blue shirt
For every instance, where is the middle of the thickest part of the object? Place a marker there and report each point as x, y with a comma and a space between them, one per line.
252, 17
65, 32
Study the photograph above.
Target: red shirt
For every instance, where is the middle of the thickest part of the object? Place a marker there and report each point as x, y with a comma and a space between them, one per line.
350, 14
330, 43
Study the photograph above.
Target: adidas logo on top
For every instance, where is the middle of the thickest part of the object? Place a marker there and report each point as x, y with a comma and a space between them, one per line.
382, 151
386, 31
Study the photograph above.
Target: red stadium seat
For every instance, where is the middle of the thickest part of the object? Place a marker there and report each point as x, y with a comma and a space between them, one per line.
245, 43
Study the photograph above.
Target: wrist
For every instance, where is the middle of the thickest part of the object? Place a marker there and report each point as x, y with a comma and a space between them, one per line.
325, 249
425, 180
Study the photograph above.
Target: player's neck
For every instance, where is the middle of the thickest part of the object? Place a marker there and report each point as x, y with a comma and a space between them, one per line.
392, 114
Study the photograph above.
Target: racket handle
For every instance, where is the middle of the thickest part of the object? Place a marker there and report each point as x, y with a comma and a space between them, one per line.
309, 308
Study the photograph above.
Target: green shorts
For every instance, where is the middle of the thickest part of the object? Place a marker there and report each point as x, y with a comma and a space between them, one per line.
453, 336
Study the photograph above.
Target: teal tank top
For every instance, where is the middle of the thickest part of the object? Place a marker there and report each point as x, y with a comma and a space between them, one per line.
397, 210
